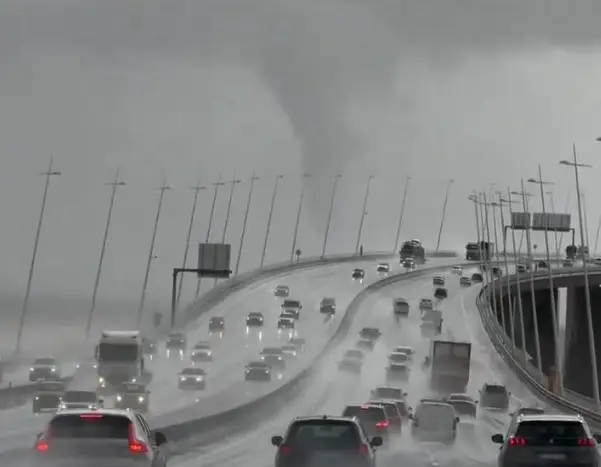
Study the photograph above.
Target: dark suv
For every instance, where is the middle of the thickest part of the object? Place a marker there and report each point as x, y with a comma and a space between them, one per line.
494, 397
325, 440
373, 418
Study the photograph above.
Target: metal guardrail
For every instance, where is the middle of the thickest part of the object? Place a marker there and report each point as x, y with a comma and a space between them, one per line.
527, 373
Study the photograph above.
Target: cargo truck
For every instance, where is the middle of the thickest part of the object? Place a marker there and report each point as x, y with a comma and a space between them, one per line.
449, 363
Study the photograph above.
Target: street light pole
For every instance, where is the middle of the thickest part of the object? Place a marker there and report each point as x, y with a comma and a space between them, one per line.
233, 182
404, 202
554, 311
474, 199
586, 231
503, 202
444, 213
298, 215
365, 200
155, 228
197, 189
566, 211
501, 301
556, 238
597, 236
325, 237
48, 175
253, 178
587, 293
490, 275
115, 184
217, 184
273, 198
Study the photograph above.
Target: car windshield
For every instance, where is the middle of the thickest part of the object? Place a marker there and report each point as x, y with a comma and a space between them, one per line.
203, 346
328, 301
217, 320
133, 388
495, 391
193, 371
94, 425
398, 367
297, 340
545, 432
289, 348
255, 315
398, 357
261, 365
44, 361
365, 413
431, 415
118, 352
389, 393
353, 354
291, 304
405, 350
282, 287
79, 396
324, 435
530, 411
271, 351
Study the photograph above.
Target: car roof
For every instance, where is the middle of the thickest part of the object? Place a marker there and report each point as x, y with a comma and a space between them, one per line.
282, 287
434, 402
309, 418
255, 313
102, 411
218, 317
550, 418
193, 369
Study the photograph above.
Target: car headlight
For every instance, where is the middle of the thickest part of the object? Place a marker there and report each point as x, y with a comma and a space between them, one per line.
101, 379
52, 369
91, 406
198, 379
182, 378
141, 399
32, 369
209, 353
119, 398
62, 406
262, 357
248, 371
37, 398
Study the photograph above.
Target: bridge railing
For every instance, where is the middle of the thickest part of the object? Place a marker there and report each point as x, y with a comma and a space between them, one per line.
514, 357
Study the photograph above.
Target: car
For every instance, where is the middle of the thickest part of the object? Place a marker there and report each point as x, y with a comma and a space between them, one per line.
133, 396
408, 263
397, 372
441, 293
47, 396
465, 281
366, 344
521, 268
463, 404
327, 305
399, 357
477, 278
177, 341
290, 351
439, 280
393, 415
542, 265
202, 353
406, 350
273, 356
103, 436
568, 263
370, 333
523, 411
298, 342
400, 307
282, 291
372, 417
325, 440
44, 368
426, 304
383, 268
192, 378
543, 440
497, 271
289, 314
387, 392
352, 361
216, 324
149, 346
457, 269
294, 306
80, 399
257, 371
358, 274
286, 323
254, 319
434, 421
494, 397
431, 323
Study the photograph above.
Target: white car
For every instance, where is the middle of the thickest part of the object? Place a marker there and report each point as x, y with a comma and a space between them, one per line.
383, 267
457, 270
434, 421
465, 280
522, 268
406, 350
426, 304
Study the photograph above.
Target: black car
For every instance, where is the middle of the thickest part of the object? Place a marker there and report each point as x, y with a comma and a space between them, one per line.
494, 397
282, 291
477, 277
463, 404
254, 319
370, 333
372, 417
217, 324
176, 340
257, 371
439, 280
274, 357
441, 293
293, 306
133, 396
397, 372
328, 305
149, 346
47, 396
313, 441
192, 378
358, 274
201, 353
286, 323
299, 342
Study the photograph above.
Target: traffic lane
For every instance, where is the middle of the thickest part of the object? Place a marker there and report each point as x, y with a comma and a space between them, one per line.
19, 425
232, 390
335, 390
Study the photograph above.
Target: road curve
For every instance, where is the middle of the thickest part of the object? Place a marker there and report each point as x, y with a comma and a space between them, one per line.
461, 322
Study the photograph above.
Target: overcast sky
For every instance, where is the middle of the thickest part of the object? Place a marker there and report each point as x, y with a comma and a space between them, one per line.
478, 91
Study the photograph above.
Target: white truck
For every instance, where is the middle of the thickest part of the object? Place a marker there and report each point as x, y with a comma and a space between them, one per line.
449, 363
120, 357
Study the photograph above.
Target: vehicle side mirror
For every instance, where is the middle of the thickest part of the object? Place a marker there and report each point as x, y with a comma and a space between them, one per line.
405, 394
457, 419
497, 439
597, 437
277, 440
159, 438
376, 441
411, 417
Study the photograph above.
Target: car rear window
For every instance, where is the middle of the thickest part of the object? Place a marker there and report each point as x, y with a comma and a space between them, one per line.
193, 371
90, 426
545, 432
365, 413
495, 390
398, 357
324, 435
432, 415
389, 393
530, 411
79, 396
292, 303
389, 408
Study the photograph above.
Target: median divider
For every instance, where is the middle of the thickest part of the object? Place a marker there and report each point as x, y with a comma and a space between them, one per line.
514, 359
210, 429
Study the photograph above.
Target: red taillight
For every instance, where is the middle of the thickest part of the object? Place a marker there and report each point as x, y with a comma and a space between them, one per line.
588, 442
383, 424
135, 445
363, 449
42, 446
517, 441
91, 416
285, 450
